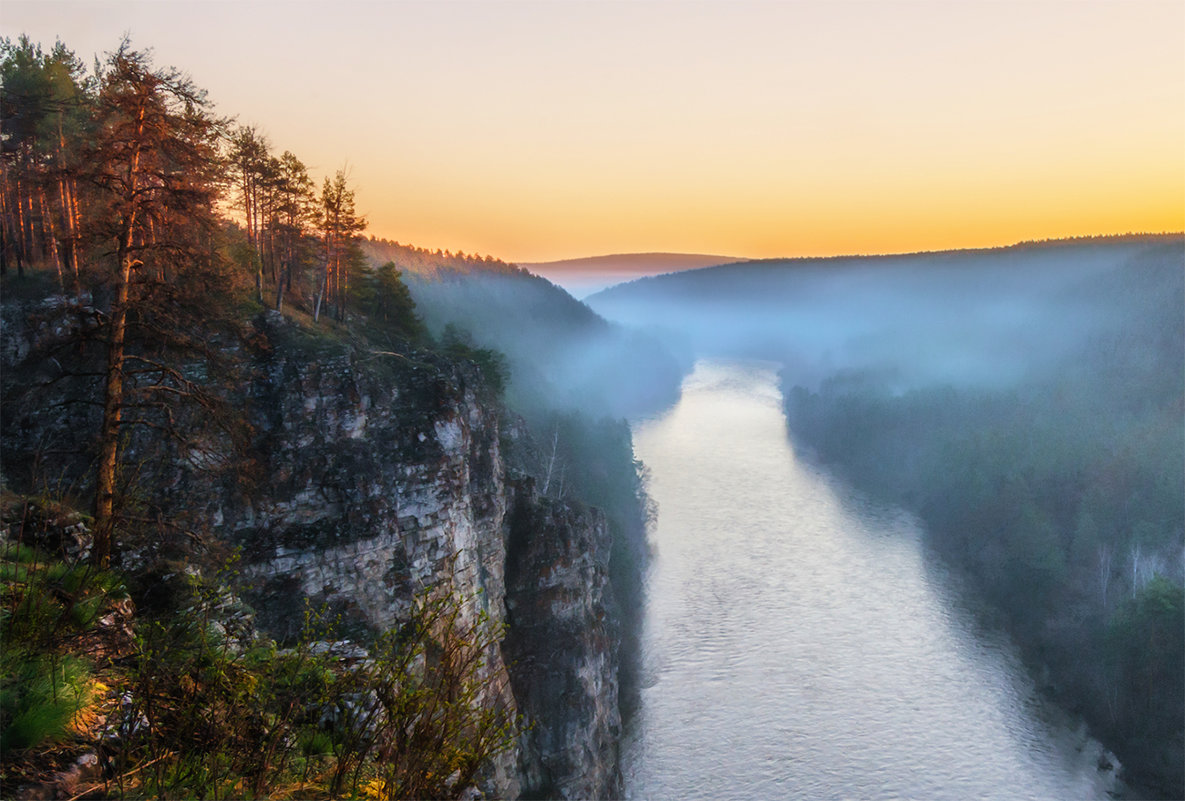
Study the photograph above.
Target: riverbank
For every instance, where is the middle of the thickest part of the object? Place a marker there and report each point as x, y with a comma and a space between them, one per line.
801, 629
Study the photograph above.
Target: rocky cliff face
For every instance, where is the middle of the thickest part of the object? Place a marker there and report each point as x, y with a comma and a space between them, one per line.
383, 479
563, 646
378, 475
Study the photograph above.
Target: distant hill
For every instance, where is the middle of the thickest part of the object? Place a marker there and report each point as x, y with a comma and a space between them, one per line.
562, 355
586, 275
634, 263
953, 315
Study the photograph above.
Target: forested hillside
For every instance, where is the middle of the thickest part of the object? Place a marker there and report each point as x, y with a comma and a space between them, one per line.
1029, 404
212, 399
560, 354
1063, 498
963, 316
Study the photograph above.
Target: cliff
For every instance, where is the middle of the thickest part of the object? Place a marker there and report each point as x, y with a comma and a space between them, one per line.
563, 647
375, 475
377, 479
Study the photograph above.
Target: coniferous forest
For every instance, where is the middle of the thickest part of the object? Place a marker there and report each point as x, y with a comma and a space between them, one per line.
1028, 405
154, 254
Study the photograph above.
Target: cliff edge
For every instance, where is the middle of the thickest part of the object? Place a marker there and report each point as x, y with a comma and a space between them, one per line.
370, 476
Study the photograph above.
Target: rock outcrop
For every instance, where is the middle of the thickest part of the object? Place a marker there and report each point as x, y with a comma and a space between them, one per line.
563, 647
386, 478
377, 475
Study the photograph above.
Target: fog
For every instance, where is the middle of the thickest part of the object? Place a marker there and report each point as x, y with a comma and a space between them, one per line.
561, 355
582, 284
979, 318
585, 276
1026, 404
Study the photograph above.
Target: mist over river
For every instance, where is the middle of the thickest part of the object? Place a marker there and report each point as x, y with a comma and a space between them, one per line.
799, 641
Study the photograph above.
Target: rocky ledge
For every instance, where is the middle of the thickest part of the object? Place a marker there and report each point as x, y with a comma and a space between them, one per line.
376, 475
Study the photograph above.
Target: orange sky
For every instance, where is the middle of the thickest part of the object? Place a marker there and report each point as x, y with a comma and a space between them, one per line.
546, 130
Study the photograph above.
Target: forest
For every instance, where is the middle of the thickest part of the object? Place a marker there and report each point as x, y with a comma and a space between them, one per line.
560, 354
1028, 404
1061, 499
150, 242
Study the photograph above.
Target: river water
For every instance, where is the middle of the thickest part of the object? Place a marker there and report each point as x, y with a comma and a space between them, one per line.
799, 643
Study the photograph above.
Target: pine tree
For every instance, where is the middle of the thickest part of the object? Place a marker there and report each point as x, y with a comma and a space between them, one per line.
155, 164
340, 226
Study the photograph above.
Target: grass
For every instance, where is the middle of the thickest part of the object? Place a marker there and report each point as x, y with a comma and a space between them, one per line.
40, 694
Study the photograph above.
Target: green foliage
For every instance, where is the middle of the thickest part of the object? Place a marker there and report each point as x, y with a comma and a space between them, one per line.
40, 694
46, 602
203, 708
1145, 649
20, 553
458, 344
429, 719
45, 607
1060, 497
382, 295
417, 718
1147, 638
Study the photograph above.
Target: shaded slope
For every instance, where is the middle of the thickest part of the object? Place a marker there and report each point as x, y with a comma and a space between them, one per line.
978, 316
584, 276
562, 354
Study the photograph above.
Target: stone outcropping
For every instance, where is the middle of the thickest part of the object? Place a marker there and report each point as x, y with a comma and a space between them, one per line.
377, 475
384, 477
563, 647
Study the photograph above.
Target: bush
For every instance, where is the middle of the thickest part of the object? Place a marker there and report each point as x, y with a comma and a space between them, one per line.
201, 706
458, 344
417, 718
39, 697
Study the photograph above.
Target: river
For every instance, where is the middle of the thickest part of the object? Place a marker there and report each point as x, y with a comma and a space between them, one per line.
800, 643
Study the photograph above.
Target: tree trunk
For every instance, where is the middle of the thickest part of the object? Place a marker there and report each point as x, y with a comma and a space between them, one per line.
337, 283
320, 294
69, 235
75, 235
324, 280
68, 212
280, 290
19, 233
5, 219
109, 431
256, 246
51, 237
30, 233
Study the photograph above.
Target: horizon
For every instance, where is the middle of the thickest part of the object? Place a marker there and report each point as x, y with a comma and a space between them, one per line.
546, 132
583, 280
1049, 241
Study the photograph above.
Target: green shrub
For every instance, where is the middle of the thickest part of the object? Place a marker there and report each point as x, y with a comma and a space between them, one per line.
43, 604
39, 697
207, 715
20, 553
458, 344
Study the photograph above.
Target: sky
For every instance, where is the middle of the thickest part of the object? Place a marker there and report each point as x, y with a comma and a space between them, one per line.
534, 131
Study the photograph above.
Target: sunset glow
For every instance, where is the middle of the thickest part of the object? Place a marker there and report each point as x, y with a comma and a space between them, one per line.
536, 131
